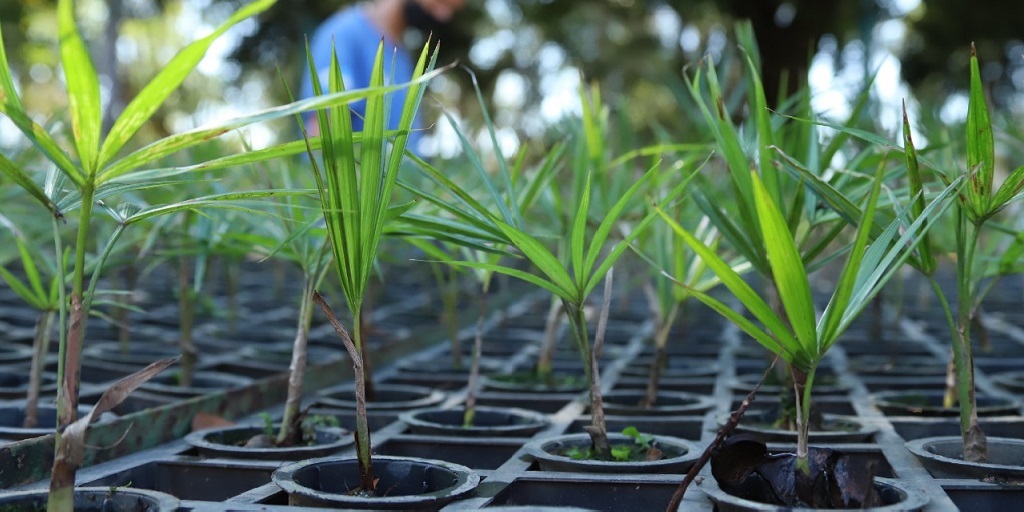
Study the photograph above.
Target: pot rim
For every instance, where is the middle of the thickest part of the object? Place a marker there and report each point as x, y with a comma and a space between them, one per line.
198, 440
914, 499
538, 449
537, 420
466, 480
919, 448
164, 501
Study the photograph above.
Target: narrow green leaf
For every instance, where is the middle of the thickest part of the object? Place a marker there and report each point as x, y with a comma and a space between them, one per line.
180, 141
83, 87
787, 267
10, 105
542, 258
840, 302
478, 166
577, 238
20, 289
766, 340
869, 281
228, 200
604, 229
1009, 191
743, 292
20, 177
928, 264
562, 293
765, 140
153, 95
980, 145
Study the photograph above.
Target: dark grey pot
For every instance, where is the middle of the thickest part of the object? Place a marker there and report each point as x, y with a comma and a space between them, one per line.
840, 429
896, 496
12, 417
14, 385
669, 403
680, 455
929, 403
943, 457
223, 443
202, 383
746, 382
388, 397
564, 383
487, 422
412, 483
95, 499
138, 354
13, 354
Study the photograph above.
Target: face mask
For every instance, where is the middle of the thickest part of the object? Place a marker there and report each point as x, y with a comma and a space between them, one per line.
419, 18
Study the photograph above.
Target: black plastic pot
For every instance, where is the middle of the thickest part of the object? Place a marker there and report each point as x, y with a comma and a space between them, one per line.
516, 383
896, 496
745, 383
929, 403
487, 422
1010, 381
202, 383
224, 443
95, 499
943, 457
669, 403
387, 397
679, 455
409, 483
677, 367
280, 354
837, 429
444, 365
12, 417
137, 354
13, 354
901, 365
14, 384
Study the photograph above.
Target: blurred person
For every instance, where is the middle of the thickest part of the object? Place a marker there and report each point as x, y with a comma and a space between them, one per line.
355, 32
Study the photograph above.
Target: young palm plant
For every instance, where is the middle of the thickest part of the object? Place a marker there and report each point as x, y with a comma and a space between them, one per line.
96, 171
667, 255
355, 198
43, 297
511, 189
978, 264
795, 334
292, 234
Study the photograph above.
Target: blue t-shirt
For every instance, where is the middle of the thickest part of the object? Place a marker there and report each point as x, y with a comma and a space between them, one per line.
355, 39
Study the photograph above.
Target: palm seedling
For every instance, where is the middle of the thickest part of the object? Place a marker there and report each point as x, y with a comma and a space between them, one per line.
513, 191
96, 172
978, 264
355, 198
574, 277
42, 297
794, 333
292, 234
667, 255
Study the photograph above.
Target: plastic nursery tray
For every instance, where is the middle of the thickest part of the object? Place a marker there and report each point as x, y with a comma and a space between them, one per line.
510, 477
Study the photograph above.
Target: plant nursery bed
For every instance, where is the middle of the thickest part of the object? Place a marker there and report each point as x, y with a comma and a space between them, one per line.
157, 459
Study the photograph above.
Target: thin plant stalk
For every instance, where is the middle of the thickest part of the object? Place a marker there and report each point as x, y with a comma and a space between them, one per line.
449, 290
549, 341
660, 355
597, 430
472, 388
297, 367
40, 346
362, 425
186, 312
